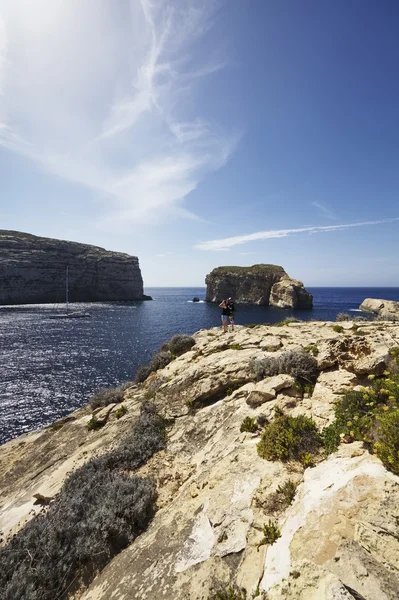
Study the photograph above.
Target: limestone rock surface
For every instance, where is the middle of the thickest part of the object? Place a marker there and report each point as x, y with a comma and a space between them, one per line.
387, 309
260, 284
339, 538
33, 270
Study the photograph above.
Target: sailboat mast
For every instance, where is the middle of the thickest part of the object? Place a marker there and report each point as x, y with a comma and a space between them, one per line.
66, 289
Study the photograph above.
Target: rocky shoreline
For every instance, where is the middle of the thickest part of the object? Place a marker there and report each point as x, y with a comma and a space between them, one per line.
217, 495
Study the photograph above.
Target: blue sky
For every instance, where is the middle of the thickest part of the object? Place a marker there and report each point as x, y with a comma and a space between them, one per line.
195, 133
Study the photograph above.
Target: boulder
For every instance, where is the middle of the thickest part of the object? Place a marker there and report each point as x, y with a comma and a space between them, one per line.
195, 299
260, 284
387, 309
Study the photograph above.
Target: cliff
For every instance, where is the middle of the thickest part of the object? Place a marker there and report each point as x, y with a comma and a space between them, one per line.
387, 309
218, 498
33, 270
259, 284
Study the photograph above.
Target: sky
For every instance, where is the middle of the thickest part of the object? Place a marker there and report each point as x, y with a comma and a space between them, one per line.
201, 133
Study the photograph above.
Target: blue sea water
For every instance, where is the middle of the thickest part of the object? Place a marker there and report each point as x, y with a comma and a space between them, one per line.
50, 367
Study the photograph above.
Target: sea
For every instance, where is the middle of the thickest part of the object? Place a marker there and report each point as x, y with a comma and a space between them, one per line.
50, 367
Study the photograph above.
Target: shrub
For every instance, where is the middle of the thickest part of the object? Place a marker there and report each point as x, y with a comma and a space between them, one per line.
107, 396
181, 343
143, 371
387, 446
231, 592
289, 438
121, 411
94, 424
98, 512
249, 424
160, 360
287, 322
311, 349
286, 492
271, 533
297, 363
236, 347
343, 317
338, 328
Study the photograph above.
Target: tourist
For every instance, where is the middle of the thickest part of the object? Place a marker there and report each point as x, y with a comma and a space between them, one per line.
231, 306
225, 314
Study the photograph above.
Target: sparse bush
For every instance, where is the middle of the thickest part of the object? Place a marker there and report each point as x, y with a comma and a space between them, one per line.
338, 328
387, 317
287, 322
343, 317
98, 512
95, 424
249, 424
121, 411
143, 371
387, 446
230, 592
311, 349
286, 492
181, 343
106, 396
289, 438
307, 460
236, 347
299, 364
271, 533
160, 360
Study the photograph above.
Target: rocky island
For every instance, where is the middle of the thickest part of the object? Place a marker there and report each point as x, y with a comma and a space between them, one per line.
387, 309
260, 464
33, 270
260, 284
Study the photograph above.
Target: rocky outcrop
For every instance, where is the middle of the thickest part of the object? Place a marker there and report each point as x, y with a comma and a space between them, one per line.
259, 284
386, 309
33, 270
339, 538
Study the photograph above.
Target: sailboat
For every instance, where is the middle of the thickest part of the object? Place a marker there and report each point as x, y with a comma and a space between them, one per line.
67, 314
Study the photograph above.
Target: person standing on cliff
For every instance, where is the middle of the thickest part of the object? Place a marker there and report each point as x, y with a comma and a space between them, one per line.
231, 306
226, 312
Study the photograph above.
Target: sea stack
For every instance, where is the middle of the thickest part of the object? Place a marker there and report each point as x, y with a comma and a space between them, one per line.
33, 271
260, 284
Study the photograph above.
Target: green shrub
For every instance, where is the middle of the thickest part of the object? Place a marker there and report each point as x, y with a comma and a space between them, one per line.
121, 411
338, 328
98, 512
94, 424
286, 492
297, 363
236, 347
286, 322
343, 317
230, 592
271, 533
311, 349
249, 424
387, 446
307, 460
289, 438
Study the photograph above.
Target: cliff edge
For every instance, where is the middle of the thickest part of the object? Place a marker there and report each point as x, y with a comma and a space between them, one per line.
33, 270
260, 284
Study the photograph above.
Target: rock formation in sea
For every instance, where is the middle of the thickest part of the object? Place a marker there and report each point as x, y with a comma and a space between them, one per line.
386, 309
321, 526
33, 270
260, 284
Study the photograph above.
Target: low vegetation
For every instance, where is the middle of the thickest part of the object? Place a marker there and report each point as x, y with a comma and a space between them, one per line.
286, 322
95, 424
311, 349
176, 346
343, 317
230, 592
301, 365
99, 511
338, 328
289, 438
249, 424
271, 533
106, 396
370, 415
120, 412
281, 498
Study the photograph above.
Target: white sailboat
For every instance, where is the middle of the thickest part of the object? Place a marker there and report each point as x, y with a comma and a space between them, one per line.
67, 314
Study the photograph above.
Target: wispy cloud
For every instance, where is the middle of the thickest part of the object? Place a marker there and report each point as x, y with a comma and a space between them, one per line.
100, 93
325, 210
225, 243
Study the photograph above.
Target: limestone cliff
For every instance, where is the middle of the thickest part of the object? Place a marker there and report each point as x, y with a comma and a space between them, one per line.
386, 309
259, 284
33, 270
339, 537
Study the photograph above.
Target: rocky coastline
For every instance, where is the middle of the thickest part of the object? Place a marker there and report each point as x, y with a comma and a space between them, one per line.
33, 271
231, 514
260, 284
